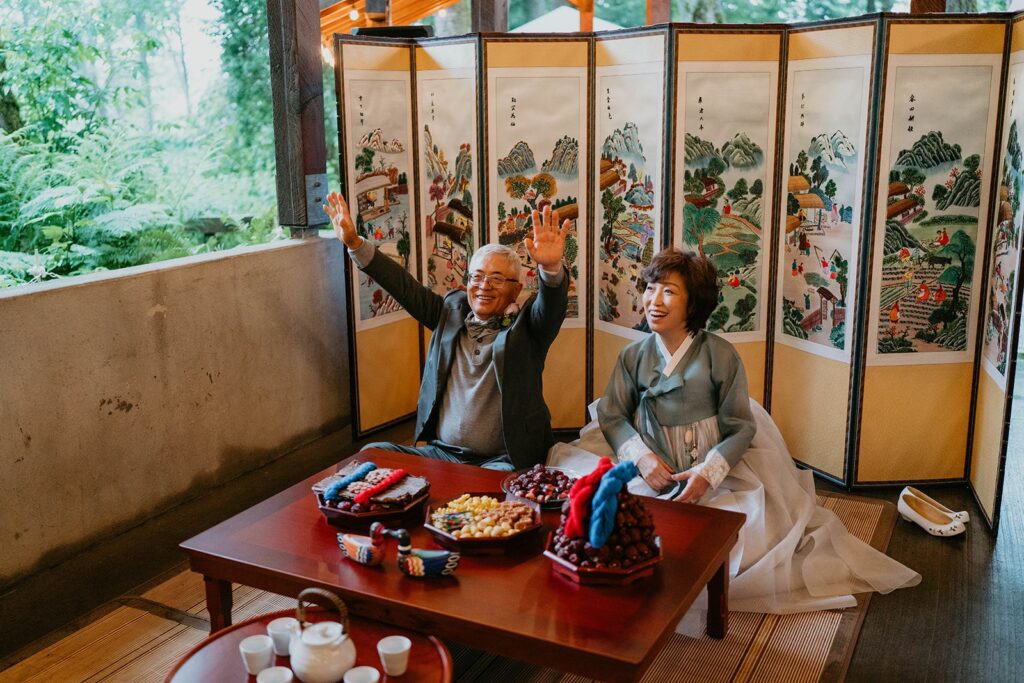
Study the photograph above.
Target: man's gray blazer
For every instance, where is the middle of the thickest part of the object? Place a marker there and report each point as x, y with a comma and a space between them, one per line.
519, 353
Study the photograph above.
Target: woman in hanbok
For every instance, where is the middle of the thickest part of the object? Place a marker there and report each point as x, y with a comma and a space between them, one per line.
677, 406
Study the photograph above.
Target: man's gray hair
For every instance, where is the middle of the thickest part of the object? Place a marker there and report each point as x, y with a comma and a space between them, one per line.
510, 256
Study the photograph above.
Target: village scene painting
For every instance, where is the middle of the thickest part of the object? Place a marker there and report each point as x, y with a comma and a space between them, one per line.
538, 165
932, 205
447, 117
725, 181
1005, 245
822, 185
379, 177
628, 188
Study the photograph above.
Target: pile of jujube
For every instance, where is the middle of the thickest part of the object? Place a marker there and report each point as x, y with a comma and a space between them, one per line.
631, 540
541, 484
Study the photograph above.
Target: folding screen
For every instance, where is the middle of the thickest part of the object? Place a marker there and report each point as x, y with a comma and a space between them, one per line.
825, 158
727, 85
936, 139
849, 207
1002, 293
537, 100
629, 189
376, 141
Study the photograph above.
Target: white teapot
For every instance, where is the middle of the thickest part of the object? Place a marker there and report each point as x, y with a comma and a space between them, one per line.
323, 652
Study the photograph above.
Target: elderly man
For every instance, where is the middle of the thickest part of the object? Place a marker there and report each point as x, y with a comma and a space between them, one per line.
481, 399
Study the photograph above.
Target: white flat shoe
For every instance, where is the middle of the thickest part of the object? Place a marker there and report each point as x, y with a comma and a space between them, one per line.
962, 515
934, 521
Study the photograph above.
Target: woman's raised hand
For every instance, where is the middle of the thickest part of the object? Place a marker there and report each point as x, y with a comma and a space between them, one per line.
344, 228
548, 242
696, 486
655, 472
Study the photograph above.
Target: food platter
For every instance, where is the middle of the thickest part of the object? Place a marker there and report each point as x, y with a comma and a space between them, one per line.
360, 521
485, 545
508, 485
600, 576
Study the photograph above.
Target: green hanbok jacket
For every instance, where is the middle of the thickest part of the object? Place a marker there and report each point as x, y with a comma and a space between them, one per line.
709, 381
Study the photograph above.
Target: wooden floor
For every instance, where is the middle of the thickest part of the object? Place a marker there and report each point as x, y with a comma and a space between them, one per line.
963, 623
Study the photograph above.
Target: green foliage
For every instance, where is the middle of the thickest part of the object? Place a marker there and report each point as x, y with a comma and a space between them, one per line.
718, 318
791, 319
838, 336
815, 280
698, 224
246, 64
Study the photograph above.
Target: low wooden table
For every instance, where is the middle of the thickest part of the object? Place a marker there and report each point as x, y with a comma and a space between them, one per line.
217, 658
513, 605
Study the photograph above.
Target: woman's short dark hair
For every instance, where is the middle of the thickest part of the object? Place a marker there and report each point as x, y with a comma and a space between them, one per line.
699, 275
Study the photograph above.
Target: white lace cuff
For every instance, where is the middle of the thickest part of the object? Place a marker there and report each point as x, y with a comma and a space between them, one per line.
714, 468
632, 450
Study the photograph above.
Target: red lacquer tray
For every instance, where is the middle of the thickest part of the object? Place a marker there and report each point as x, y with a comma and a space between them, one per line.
600, 577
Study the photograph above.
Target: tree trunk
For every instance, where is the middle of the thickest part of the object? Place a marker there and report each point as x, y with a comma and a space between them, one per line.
147, 94
182, 65
10, 112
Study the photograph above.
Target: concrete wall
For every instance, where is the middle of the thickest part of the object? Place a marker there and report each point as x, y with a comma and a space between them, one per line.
121, 393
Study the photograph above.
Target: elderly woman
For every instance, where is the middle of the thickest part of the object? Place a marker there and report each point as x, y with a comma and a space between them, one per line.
677, 406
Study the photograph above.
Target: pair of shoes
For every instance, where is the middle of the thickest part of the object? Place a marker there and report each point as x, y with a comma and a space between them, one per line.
931, 519
962, 515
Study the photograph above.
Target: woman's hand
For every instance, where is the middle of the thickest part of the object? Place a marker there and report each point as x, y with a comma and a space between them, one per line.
696, 486
548, 242
337, 210
657, 475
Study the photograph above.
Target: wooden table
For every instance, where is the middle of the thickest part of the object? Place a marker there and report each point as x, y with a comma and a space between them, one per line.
217, 658
512, 605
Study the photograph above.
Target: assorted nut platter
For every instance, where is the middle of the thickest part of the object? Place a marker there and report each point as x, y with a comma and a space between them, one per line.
548, 486
361, 493
478, 522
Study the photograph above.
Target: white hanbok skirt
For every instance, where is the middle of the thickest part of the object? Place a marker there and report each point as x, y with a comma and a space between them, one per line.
792, 555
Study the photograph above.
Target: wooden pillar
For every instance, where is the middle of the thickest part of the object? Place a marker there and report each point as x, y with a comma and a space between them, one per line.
659, 11
586, 8
489, 16
296, 80
927, 6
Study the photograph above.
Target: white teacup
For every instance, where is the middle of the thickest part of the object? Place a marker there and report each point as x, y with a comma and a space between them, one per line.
282, 631
257, 653
394, 654
362, 674
276, 674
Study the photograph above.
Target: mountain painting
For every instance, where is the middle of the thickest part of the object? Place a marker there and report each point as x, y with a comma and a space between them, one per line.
448, 178
628, 189
536, 146
726, 186
821, 207
931, 198
380, 192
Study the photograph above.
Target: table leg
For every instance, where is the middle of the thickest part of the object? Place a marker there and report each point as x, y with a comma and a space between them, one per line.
718, 602
218, 603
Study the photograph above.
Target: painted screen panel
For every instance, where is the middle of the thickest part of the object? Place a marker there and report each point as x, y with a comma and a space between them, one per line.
933, 185
378, 122
823, 190
630, 145
989, 446
1005, 242
447, 116
725, 153
375, 108
538, 150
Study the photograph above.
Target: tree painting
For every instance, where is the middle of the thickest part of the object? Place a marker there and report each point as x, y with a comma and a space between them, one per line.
698, 224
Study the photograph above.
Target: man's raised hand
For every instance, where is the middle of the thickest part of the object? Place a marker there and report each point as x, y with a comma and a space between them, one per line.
344, 228
548, 242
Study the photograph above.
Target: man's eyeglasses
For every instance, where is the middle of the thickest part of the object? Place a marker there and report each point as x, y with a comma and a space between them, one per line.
477, 279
